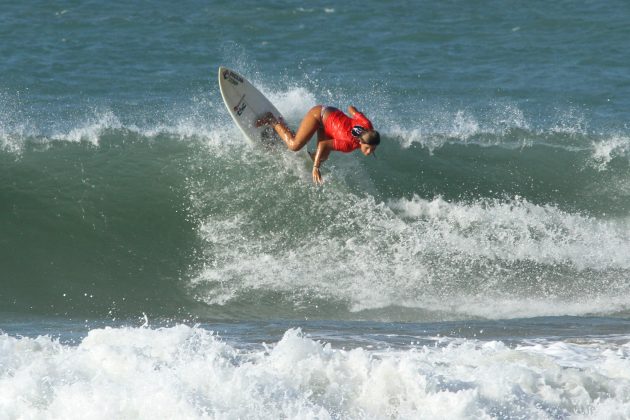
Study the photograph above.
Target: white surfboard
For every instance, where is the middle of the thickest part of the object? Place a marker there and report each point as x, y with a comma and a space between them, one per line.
246, 105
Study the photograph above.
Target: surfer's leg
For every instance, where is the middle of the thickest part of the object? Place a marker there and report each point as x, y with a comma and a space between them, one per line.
309, 125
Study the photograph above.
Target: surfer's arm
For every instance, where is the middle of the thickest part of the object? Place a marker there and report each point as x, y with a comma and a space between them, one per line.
352, 110
321, 154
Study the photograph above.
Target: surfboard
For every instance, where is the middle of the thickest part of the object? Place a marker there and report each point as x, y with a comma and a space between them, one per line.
246, 105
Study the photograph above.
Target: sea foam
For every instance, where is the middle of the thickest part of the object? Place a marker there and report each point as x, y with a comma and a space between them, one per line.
454, 258
188, 372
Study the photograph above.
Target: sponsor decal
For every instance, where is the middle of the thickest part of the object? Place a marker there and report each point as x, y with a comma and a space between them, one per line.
357, 130
240, 106
232, 77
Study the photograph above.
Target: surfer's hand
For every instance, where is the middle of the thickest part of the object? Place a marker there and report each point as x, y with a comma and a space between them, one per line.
317, 176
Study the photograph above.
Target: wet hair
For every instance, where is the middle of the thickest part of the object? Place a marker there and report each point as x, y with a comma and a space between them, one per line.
371, 137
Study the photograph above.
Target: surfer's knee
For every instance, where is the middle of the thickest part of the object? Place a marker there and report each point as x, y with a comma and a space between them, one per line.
294, 146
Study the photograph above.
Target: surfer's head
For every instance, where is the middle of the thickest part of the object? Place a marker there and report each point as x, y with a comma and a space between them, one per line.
368, 140
371, 137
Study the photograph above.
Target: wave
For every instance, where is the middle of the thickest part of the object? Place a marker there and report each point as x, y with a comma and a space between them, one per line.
171, 212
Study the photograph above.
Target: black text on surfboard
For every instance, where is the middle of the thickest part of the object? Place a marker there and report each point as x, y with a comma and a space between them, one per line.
232, 77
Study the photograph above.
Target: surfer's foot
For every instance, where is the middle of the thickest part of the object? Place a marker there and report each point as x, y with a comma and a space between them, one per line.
266, 119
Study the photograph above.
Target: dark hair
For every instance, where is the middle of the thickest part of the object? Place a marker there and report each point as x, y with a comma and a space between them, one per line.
371, 137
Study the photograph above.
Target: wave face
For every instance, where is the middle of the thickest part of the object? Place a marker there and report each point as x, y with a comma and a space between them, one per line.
182, 217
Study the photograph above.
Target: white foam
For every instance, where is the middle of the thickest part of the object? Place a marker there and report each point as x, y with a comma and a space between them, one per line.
605, 151
184, 372
517, 230
491, 258
508, 307
293, 103
12, 140
91, 130
14, 126
190, 125
441, 126
198, 118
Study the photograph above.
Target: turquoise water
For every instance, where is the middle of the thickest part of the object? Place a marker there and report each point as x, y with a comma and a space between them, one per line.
478, 267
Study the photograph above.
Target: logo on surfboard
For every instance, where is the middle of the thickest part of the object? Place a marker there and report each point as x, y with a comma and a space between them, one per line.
240, 106
232, 77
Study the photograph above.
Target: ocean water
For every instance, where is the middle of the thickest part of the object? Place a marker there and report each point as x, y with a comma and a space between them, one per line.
154, 265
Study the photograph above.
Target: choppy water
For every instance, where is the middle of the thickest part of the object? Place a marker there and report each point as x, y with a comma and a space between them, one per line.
153, 265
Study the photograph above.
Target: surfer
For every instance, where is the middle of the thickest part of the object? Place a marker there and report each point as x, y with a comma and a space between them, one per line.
335, 131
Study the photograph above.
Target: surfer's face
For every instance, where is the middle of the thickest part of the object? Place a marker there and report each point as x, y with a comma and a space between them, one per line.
367, 149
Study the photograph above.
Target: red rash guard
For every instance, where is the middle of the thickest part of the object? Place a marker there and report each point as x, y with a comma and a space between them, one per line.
338, 126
